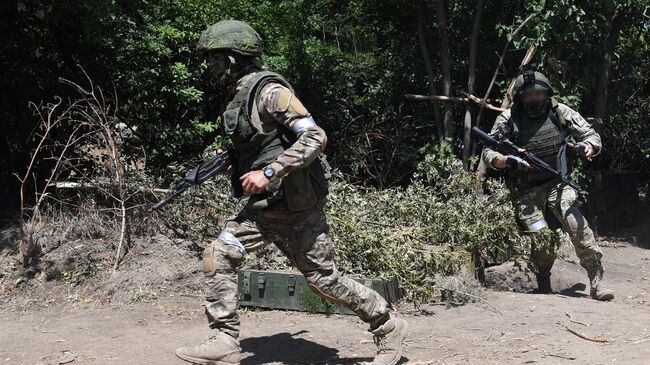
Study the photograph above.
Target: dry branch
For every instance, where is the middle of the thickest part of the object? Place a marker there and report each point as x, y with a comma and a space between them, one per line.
585, 337
80, 141
454, 99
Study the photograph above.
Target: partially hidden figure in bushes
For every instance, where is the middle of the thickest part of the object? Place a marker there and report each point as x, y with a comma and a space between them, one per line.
279, 163
541, 125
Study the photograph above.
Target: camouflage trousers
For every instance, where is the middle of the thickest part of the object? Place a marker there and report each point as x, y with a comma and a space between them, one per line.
561, 201
304, 238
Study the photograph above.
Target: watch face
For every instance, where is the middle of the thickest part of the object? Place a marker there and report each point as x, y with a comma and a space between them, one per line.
268, 172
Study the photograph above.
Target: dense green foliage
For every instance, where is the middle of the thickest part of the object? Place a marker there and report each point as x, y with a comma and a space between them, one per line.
401, 204
351, 62
430, 227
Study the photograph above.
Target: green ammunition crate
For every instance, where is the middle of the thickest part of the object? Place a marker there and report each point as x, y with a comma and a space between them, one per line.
286, 290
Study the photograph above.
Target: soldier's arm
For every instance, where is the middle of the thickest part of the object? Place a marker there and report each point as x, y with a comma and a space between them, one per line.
500, 132
580, 129
287, 109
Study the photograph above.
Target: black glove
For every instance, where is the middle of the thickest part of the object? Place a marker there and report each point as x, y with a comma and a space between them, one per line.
518, 163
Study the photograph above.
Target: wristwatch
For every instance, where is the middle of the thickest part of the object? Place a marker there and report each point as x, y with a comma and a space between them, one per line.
269, 173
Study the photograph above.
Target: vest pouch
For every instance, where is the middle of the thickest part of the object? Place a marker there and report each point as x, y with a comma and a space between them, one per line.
230, 120
321, 173
298, 190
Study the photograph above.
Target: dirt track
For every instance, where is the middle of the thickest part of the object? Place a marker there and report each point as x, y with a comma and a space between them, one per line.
529, 329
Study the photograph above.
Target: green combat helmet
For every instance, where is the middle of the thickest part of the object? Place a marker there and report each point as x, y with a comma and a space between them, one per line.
531, 80
528, 81
232, 35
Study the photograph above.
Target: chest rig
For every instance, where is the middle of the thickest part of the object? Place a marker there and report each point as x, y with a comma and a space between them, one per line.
258, 142
545, 138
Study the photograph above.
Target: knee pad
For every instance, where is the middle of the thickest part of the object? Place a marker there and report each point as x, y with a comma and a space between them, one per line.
575, 221
224, 254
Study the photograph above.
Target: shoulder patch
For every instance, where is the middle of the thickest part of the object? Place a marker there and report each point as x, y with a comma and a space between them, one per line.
287, 102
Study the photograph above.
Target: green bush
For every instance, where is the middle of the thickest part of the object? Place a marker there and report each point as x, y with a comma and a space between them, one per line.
411, 233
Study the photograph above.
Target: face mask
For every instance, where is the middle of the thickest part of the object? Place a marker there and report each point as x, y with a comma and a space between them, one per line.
536, 108
221, 67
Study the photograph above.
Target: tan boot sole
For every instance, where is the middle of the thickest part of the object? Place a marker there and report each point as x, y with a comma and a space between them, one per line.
604, 297
195, 360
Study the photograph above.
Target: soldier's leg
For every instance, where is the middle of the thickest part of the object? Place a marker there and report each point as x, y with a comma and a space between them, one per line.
563, 202
543, 247
308, 244
221, 259
529, 211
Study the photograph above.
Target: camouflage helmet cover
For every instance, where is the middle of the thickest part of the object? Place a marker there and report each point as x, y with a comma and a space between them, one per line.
531, 80
233, 35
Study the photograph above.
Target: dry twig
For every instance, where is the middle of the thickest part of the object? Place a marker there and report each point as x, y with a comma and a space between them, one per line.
574, 321
585, 337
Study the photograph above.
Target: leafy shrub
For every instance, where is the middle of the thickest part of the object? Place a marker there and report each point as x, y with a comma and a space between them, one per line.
411, 233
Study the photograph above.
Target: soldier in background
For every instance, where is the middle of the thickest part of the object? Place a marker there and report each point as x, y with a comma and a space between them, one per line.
542, 126
280, 165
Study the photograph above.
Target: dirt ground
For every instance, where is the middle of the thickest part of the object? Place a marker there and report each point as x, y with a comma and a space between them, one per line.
505, 328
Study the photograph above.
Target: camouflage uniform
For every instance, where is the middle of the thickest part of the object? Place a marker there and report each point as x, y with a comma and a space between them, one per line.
538, 197
273, 133
303, 236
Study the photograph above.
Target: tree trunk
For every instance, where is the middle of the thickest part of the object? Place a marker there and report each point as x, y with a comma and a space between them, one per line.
469, 122
443, 33
507, 101
429, 69
482, 167
606, 65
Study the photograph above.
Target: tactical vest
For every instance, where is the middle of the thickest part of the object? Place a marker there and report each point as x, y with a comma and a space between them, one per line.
545, 138
256, 148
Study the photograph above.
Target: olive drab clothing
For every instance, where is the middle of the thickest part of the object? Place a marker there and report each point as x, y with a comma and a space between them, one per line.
231, 35
545, 138
305, 239
271, 131
259, 140
261, 121
561, 201
540, 198
575, 126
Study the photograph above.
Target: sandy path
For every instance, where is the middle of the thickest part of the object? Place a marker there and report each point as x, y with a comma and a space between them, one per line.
530, 329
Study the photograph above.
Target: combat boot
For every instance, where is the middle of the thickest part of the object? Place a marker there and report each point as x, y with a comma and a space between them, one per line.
544, 283
597, 291
389, 338
220, 349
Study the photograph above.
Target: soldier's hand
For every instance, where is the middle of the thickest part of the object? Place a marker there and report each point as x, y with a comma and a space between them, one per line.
584, 149
229, 168
513, 162
254, 182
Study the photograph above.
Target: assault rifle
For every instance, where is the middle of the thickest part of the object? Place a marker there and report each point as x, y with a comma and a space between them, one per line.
205, 171
509, 148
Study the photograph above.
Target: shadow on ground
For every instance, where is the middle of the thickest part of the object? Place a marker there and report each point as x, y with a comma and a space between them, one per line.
576, 291
284, 348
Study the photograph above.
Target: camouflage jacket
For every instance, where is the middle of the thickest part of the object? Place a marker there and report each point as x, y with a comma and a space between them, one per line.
576, 127
278, 104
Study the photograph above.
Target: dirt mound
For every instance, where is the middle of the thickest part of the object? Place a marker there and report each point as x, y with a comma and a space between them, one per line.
516, 275
82, 271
